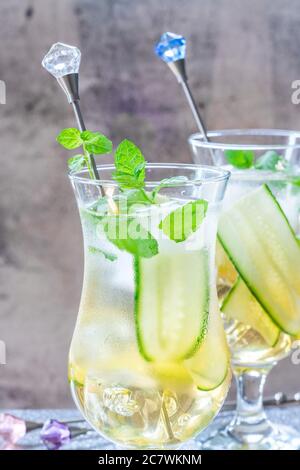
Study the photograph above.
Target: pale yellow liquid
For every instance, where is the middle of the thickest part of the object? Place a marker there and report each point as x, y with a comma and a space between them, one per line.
131, 401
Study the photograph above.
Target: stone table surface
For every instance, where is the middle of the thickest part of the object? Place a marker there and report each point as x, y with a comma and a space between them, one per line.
288, 415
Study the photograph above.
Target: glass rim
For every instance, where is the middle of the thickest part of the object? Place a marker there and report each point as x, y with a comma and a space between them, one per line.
217, 174
197, 139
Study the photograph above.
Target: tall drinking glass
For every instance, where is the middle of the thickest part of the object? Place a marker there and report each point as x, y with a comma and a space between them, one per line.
258, 261
149, 363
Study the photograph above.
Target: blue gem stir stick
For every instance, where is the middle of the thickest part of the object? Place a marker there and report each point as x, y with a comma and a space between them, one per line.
171, 48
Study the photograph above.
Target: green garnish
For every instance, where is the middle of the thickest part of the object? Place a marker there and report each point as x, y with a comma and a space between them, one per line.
113, 213
295, 180
168, 183
243, 159
76, 163
269, 161
69, 138
132, 197
91, 142
183, 221
96, 143
130, 166
240, 158
127, 234
106, 254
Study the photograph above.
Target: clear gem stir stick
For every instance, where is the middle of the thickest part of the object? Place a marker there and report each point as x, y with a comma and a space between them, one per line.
171, 49
63, 61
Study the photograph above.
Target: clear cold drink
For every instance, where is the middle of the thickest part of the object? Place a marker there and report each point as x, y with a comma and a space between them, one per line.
149, 362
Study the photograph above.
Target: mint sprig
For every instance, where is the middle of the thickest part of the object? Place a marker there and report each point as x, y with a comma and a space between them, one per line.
130, 166
245, 159
76, 163
96, 143
127, 234
295, 181
132, 197
91, 143
69, 138
129, 173
270, 160
241, 159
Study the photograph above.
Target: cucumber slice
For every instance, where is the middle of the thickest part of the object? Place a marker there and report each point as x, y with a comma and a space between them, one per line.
171, 303
241, 305
264, 250
209, 365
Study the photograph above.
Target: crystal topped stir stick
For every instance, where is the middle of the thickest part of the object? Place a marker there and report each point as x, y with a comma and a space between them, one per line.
63, 61
171, 49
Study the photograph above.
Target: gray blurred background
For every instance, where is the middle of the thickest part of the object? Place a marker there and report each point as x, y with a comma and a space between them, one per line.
242, 57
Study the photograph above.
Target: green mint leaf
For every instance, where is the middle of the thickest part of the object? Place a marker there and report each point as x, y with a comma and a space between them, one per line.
127, 181
76, 163
69, 138
240, 158
128, 157
129, 198
109, 256
127, 234
168, 183
183, 221
295, 180
268, 161
96, 143
139, 170
130, 165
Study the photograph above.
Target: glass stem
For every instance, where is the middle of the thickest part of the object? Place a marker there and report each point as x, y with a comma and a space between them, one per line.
250, 423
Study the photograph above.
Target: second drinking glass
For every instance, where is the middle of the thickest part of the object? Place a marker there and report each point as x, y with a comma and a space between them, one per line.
258, 261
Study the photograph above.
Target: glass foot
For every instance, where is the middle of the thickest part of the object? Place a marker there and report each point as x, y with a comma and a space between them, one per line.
279, 437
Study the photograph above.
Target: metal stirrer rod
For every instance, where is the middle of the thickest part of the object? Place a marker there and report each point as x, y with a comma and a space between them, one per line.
194, 109
63, 61
171, 49
78, 116
178, 69
81, 127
